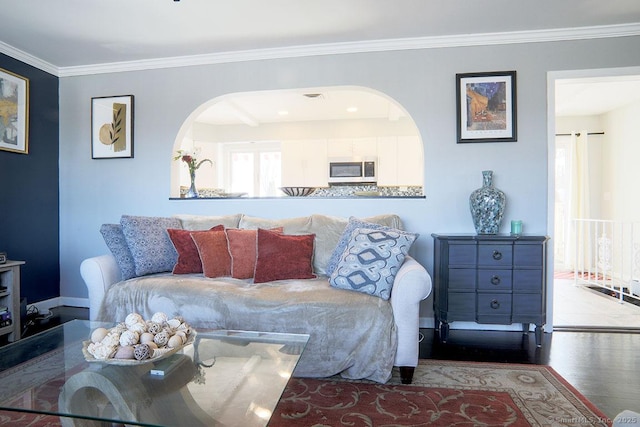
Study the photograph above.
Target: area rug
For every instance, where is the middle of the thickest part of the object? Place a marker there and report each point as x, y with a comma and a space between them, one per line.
443, 393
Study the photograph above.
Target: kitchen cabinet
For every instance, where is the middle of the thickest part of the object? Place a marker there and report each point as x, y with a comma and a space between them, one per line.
398, 164
352, 147
304, 163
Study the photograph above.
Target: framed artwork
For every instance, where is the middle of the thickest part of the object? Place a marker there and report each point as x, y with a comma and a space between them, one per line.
112, 127
14, 112
486, 107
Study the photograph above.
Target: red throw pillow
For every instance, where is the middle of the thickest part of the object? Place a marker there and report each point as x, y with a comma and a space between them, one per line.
243, 250
188, 256
283, 256
214, 252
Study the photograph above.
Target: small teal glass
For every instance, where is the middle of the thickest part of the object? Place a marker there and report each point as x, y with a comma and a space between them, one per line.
516, 227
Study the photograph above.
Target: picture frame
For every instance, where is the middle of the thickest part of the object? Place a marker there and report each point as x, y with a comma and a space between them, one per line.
14, 112
112, 127
486, 107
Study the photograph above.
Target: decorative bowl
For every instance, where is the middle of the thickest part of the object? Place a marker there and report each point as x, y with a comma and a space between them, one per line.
298, 191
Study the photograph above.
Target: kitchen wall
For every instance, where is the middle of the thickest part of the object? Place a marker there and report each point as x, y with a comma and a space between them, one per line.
93, 192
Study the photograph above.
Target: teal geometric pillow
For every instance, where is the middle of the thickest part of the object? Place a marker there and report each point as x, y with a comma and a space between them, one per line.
371, 260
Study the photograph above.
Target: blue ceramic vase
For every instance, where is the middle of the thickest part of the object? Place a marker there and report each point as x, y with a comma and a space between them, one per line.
487, 206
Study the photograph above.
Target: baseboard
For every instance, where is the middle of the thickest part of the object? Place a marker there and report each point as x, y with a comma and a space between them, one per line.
47, 305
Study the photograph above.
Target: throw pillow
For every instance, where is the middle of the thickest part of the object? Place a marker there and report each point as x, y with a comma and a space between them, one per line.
243, 250
188, 256
149, 243
214, 252
114, 238
371, 260
282, 256
346, 237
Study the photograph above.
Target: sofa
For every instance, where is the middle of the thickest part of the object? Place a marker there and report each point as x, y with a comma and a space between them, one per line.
349, 283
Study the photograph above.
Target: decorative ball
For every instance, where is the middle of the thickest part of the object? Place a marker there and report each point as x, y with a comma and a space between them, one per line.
159, 317
161, 338
98, 334
154, 327
133, 318
141, 352
124, 352
139, 327
112, 339
174, 341
129, 338
146, 338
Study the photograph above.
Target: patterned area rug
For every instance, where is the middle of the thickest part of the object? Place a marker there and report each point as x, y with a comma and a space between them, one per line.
443, 393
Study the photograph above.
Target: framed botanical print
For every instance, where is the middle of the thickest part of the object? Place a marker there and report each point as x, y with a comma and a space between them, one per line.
112, 127
486, 107
14, 112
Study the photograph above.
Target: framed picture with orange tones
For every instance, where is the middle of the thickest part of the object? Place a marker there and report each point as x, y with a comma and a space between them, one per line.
486, 107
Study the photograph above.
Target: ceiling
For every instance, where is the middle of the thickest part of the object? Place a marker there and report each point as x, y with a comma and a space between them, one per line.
67, 37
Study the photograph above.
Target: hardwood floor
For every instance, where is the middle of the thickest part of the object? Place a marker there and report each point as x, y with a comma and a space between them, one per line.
603, 366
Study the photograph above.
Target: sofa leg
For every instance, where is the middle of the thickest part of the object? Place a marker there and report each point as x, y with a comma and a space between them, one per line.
406, 374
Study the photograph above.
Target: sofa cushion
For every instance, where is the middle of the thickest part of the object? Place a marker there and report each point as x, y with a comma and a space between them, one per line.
298, 225
371, 261
206, 222
282, 256
188, 257
214, 252
243, 250
117, 244
389, 222
149, 243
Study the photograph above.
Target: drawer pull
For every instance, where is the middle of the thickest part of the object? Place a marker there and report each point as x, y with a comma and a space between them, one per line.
495, 304
497, 255
495, 280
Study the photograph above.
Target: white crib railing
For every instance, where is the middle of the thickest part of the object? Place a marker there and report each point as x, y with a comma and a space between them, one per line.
607, 255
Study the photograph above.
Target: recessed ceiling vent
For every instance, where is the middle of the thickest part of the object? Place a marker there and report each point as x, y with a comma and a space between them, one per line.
313, 95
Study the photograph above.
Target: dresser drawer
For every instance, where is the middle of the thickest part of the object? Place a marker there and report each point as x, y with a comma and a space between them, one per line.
462, 254
494, 304
495, 255
528, 255
462, 279
494, 280
528, 280
461, 306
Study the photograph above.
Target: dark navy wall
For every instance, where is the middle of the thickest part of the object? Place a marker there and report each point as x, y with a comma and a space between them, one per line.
29, 209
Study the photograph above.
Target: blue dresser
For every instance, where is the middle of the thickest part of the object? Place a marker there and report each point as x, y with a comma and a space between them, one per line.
490, 279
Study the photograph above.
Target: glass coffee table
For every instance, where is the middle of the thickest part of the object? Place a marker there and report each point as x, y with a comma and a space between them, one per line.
223, 378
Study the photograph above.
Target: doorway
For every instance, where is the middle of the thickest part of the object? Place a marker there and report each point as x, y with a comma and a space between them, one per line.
590, 124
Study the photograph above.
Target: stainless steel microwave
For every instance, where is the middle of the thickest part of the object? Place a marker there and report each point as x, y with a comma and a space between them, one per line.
350, 170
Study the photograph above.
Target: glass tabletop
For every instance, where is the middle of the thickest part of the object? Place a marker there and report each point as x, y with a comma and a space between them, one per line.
231, 378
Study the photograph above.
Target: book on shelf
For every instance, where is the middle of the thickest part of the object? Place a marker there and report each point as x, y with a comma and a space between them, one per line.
5, 315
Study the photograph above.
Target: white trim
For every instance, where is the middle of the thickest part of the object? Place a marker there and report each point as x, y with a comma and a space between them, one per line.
532, 36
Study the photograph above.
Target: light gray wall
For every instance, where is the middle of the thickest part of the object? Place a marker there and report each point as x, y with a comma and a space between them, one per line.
93, 192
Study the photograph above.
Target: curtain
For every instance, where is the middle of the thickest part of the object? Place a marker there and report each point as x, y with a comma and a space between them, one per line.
577, 241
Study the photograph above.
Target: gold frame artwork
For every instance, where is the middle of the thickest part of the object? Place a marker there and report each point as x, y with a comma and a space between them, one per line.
14, 112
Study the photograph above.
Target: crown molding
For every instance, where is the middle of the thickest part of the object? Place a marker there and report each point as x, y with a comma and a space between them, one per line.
436, 42
28, 59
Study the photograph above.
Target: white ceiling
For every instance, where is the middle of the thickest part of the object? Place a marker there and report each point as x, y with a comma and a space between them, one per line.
81, 36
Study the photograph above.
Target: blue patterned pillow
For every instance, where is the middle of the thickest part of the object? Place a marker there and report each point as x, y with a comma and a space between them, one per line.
371, 260
149, 243
114, 238
346, 237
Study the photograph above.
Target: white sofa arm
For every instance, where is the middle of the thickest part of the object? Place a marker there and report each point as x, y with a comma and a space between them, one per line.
99, 273
412, 285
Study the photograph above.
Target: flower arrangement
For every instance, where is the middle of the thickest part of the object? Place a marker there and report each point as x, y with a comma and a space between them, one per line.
190, 159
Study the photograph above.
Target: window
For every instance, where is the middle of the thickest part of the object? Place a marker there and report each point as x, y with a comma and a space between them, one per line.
253, 168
